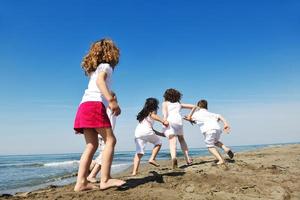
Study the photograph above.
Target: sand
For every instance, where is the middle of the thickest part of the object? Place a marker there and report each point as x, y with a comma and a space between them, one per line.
270, 173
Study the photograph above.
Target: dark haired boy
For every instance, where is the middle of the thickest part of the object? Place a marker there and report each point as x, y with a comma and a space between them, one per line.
211, 129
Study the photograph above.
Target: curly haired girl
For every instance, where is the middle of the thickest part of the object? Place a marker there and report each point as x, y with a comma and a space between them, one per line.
91, 118
171, 112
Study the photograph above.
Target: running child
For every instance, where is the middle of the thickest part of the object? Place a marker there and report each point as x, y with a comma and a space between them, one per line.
171, 112
211, 129
144, 133
91, 118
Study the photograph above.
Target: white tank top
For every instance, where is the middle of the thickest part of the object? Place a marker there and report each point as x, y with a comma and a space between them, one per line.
144, 128
174, 115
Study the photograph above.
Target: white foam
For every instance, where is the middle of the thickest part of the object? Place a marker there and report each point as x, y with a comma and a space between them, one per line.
64, 163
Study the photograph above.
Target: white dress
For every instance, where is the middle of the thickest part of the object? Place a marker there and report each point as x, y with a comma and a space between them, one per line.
175, 120
144, 133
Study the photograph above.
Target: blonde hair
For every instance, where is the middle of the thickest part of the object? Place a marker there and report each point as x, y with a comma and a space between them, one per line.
102, 51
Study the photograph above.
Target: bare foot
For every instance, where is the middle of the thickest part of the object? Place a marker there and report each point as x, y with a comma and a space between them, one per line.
174, 163
154, 163
133, 174
92, 179
111, 183
220, 163
82, 187
190, 161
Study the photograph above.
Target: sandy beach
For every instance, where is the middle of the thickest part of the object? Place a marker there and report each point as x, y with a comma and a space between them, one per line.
269, 173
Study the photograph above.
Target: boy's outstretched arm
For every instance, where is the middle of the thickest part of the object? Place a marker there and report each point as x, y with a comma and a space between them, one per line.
226, 125
189, 117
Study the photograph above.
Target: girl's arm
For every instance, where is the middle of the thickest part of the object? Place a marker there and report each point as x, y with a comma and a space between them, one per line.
187, 106
226, 125
113, 105
165, 110
155, 117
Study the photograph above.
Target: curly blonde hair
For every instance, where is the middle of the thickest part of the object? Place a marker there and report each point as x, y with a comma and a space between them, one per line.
102, 51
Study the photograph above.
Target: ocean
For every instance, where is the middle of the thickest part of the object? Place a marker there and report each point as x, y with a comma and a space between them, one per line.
23, 173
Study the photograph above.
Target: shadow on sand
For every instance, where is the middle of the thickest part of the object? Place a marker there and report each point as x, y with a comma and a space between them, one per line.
206, 161
155, 177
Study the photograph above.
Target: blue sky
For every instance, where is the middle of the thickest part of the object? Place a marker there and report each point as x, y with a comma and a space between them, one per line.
242, 56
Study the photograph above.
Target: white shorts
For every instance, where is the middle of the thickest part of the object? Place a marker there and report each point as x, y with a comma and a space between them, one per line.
98, 160
211, 137
141, 142
173, 129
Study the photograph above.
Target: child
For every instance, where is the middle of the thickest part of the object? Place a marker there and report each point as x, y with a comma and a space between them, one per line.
91, 118
211, 129
97, 163
144, 133
171, 113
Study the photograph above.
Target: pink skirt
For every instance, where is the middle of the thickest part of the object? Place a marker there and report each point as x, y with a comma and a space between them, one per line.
91, 114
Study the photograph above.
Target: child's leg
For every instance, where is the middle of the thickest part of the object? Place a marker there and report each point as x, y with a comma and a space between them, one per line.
97, 164
91, 138
140, 150
155, 140
172, 143
136, 163
216, 154
92, 176
225, 148
154, 154
221, 145
107, 157
184, 148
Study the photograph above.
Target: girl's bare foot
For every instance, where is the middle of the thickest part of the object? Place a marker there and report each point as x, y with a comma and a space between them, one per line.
82, 187
111, 183
92, 179
174, 163
154, 163
190, 161
133, 174
220, 163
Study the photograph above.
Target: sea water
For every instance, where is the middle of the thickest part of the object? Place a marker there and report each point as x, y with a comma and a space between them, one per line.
23, 173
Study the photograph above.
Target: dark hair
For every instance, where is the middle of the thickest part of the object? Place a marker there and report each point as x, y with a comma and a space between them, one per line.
202, 103
172, 95
151, 105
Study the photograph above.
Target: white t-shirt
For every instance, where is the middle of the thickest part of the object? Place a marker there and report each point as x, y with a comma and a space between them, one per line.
144, 128
206, 120
93, 93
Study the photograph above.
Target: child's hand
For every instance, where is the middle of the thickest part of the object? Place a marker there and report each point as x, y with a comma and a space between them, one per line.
115, 109
188, 118
166, 123
226, 129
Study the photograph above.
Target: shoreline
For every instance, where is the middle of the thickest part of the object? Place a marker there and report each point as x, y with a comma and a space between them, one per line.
268, 172
71, 178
